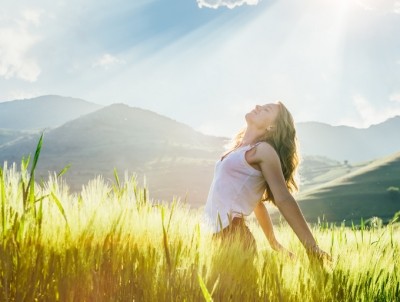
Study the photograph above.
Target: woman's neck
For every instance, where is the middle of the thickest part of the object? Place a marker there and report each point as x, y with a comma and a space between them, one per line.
250, 137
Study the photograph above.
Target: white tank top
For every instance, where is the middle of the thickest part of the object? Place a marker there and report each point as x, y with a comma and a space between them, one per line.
235, 189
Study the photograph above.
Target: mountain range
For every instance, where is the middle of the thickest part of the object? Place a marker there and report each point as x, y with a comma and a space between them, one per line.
48, 111
350, 144
175, 160
172, 158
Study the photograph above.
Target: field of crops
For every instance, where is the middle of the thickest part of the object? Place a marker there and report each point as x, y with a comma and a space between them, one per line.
112, 243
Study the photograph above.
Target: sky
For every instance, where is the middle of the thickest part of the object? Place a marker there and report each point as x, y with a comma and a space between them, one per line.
206, 63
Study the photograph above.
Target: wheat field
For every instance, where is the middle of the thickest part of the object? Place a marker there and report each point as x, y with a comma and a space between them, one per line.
111, 242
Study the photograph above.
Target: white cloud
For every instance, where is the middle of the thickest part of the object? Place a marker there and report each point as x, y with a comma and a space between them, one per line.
16, 41
14, 61
228, 3
32, 16
369, 114
106, 61
395, 97
384, 6
365, 110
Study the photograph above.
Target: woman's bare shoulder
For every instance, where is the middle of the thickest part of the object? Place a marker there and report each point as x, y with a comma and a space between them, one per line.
265, 148
265, 152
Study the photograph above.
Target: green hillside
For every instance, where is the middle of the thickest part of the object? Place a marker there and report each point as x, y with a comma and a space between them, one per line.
318, 170
368, 192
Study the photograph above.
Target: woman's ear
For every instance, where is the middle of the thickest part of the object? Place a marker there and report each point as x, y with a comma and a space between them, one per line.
271, 128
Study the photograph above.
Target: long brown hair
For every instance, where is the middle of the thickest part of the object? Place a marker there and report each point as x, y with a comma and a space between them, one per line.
284, 140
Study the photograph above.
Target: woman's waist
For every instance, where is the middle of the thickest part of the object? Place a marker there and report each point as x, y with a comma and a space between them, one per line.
237, 220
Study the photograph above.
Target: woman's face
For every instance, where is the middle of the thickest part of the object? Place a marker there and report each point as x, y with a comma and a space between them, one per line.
263, 116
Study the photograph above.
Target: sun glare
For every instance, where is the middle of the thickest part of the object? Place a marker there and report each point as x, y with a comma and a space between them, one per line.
339, 5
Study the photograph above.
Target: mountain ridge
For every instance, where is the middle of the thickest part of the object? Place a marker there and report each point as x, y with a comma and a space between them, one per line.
345, 143
176, 159
48, 111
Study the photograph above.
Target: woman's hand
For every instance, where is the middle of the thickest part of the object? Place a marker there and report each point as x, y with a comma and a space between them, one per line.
290, 255
279, 248
315, 253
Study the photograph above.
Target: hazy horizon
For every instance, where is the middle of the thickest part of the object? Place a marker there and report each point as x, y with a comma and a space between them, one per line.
199, 130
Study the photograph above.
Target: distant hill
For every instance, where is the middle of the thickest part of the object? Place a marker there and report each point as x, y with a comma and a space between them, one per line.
48, 111
176, 160
338, 143
369, 191
350, 144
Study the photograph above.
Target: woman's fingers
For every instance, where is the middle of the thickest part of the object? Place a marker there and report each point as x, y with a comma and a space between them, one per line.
315, 253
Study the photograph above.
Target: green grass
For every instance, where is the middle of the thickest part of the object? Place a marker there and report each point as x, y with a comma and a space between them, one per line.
110, 242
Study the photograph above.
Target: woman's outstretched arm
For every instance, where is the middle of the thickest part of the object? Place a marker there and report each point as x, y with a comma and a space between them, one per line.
265, 222
269, 162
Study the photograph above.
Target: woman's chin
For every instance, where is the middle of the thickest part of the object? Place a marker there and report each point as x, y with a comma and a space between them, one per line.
249, 118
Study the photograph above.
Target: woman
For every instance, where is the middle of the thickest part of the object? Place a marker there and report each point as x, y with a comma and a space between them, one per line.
260, 166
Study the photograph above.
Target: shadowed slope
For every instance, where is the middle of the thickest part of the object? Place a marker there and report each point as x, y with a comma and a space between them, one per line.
364, 194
